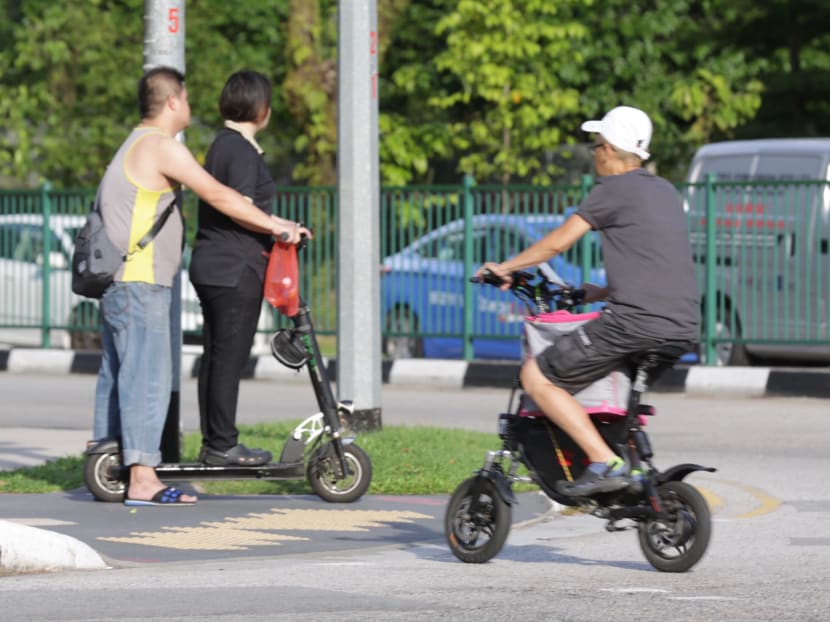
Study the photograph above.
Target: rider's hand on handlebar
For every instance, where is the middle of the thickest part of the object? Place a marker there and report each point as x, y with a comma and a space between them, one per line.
496, 269
288, 231
593, 293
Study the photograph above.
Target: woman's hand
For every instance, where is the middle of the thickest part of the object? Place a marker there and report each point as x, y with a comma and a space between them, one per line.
288, 231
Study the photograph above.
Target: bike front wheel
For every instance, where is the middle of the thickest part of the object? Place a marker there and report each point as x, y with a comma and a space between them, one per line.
477, 521
678, 542
326, 481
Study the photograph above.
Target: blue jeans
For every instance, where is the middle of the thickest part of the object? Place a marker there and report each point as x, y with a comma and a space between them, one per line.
133, 391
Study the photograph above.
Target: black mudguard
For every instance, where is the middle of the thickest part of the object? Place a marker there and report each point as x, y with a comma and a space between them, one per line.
680, 471
104, 446
501, 484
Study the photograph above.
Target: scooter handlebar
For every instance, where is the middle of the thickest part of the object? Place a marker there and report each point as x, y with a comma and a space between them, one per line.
284, 237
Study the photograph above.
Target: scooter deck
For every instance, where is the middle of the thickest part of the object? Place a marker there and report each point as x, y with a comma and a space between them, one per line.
197, 470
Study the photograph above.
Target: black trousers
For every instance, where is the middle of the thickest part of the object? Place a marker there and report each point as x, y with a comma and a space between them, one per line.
230, 321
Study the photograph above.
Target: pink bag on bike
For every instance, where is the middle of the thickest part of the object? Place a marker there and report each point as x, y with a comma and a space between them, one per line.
606, 395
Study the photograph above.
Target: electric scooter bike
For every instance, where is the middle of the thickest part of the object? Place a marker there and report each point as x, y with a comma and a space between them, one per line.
672, 518
337, 469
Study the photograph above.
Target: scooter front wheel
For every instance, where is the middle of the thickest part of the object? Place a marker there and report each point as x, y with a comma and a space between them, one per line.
323, 476
101, 476
477, 521
678, 542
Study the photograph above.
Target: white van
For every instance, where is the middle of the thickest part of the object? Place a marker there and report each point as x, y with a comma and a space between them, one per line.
771, 201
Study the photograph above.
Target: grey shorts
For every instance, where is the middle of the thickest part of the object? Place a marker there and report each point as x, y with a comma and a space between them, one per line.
591, 352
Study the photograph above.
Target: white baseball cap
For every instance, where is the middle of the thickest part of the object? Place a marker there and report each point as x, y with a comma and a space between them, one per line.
626, 128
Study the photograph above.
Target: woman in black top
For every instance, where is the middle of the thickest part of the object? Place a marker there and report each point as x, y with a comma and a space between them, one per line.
228, 267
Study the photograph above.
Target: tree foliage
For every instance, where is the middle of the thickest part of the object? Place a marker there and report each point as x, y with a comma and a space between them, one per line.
507, 59
497, 88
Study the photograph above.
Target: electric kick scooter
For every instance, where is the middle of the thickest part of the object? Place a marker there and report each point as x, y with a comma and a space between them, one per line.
337, 469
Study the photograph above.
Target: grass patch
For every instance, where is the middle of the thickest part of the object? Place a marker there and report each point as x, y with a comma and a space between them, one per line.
405, 461
60, 474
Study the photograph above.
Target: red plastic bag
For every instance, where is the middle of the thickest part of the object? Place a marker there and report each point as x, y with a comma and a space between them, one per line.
282, 287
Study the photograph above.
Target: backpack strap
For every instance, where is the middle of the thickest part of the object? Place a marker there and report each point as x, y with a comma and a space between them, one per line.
148, 237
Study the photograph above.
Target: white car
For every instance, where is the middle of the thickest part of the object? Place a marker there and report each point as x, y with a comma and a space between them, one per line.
72, 319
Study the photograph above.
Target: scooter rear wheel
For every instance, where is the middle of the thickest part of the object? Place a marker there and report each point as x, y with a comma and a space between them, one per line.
323, 478
678, 543
476, 528
101, 477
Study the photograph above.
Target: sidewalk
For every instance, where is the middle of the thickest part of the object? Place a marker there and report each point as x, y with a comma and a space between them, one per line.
742, 381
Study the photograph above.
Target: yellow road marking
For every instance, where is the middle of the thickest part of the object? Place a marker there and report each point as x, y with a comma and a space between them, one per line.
204, 538
714, 502
256, 529
767, 503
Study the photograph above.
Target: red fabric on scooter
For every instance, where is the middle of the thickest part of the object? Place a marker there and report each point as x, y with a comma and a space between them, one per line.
282, 287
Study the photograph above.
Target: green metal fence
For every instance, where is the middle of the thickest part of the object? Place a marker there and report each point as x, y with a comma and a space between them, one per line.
761, 250
762, 256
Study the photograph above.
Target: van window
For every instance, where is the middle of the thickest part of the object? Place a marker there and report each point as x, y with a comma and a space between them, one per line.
784, 167
727, 168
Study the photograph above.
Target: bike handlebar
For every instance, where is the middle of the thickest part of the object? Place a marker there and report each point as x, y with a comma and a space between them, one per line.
539, 295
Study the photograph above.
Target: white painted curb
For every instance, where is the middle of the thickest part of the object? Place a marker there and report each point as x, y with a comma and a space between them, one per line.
434, 372
29, 549
26, 360
746, 381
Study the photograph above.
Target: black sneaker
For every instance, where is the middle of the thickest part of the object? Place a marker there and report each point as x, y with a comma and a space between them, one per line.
590, 483
235, 456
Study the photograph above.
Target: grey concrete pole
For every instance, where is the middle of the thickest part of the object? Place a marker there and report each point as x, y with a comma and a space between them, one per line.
358, 204
164, 46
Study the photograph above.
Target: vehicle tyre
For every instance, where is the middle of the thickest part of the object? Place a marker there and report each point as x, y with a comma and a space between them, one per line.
324, 481
477, 536
402, 320
678, 543
85, 314
101, 477
727, 326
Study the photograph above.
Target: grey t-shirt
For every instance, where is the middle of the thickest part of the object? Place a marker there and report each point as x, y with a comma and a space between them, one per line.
647, 256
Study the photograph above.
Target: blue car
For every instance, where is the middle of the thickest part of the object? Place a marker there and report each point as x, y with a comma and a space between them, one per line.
422, 289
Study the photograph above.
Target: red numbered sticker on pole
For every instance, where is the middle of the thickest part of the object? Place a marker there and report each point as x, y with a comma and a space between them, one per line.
173, 19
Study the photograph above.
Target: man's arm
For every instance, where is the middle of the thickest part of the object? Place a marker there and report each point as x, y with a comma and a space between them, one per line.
557, 241
554, 243
177, 163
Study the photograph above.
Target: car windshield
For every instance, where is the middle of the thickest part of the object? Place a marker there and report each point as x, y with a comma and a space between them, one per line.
24, 242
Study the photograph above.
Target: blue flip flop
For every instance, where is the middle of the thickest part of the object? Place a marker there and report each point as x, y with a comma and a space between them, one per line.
166, 497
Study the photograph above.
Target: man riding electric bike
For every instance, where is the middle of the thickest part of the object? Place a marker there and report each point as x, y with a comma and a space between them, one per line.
652, 290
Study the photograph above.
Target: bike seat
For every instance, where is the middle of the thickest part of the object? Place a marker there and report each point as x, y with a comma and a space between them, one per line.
663, 355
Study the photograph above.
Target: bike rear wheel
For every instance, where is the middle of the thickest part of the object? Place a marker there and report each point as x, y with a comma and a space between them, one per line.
477, 521
101, 477
679, 542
